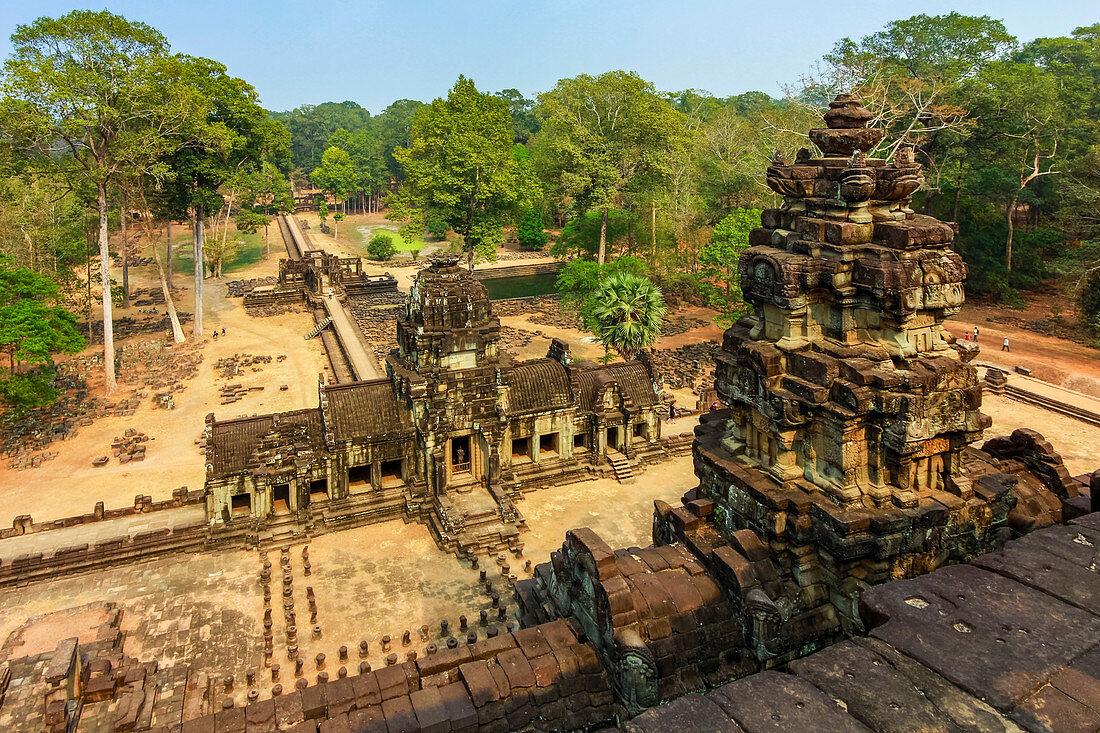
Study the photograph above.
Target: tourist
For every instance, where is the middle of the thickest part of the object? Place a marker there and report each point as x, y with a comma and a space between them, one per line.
671, 411
714, 406
1004, 346
215, 334
223, 331
975, 334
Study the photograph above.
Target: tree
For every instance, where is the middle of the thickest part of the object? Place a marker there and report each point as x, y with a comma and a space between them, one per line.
96, 96
33, 328
529, 231
459, 167
1018, 117
336, 175
580, 279
582, 234
381, 246
628, 311
719, 258
524, 122
601, 135
214, 160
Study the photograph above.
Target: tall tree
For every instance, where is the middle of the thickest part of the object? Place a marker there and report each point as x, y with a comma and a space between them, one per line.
459, 167
96, 96
602, 134
335, 175
214, 156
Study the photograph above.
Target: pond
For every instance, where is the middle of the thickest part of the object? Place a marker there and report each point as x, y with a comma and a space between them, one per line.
520, 286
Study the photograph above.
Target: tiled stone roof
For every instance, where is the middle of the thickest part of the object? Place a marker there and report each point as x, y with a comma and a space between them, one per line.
365, 409
538, 385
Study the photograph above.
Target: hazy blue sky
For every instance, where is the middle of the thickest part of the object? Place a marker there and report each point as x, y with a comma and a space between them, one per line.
373, 52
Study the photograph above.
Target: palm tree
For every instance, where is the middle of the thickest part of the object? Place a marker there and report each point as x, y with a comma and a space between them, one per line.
627, 312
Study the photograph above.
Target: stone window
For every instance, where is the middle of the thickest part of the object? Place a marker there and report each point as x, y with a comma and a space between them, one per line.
580, 442
641, 431
318, 490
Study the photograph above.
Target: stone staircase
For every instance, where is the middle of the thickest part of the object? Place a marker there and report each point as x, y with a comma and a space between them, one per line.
320, 327
623, 472
471, 524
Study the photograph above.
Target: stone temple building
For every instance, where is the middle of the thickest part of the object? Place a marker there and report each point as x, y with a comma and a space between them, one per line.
846, 457
451, 437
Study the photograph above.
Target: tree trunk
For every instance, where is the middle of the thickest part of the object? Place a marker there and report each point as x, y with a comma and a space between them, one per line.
653, 212
197, 246
169, 257
958, 196
603, 236
105, 279
177, 332
125, 249
1008, 243
89, 291
267, 241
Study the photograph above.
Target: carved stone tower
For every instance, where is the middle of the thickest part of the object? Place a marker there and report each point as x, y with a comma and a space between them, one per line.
843, 374
448, 323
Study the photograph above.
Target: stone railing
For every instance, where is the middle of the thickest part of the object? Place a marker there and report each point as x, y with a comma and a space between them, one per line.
24, 524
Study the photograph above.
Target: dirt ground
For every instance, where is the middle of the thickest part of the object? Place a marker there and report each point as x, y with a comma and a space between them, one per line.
69, 484
1050, 359
372, 581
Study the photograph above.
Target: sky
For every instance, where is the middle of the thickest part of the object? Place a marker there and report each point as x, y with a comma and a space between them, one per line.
373, 52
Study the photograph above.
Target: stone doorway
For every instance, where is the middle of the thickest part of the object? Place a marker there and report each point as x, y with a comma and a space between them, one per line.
521, 449
359, 479
280, 499
548, 445
391, 473
318, 491
613, 438
461, 459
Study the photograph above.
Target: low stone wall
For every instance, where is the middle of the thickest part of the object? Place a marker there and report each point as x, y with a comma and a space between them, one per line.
540, 268
104, 554
24, 524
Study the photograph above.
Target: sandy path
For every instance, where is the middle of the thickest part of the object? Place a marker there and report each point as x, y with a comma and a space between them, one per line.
69, 484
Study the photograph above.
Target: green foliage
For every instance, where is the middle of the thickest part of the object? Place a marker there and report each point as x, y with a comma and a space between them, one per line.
459, 167
336, 174
436, 227
524, 122
718, 261
28, 390
322, 213
579, 280
250, 221
381, 246
628, 311
581, 236
529, 231
33, 329
603, 136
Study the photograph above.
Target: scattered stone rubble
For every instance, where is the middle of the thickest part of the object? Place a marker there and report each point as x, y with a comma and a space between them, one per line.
130, 447
691, 365
240, 288
232, 366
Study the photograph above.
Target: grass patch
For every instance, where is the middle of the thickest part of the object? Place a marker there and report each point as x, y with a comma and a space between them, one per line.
247, 254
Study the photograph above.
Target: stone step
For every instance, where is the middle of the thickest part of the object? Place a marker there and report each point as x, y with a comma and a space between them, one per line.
320, 327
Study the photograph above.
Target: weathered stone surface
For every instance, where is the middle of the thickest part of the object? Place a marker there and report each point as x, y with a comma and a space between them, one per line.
993, 637
688, 713
891, 693
771, 701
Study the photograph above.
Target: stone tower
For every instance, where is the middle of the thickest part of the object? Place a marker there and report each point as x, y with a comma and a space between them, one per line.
845, 448
843, 375
448, 322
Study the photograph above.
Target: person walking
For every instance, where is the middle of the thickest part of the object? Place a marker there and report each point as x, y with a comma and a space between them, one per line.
975, 334
215, 334
1004, 346
671, 411
223, 332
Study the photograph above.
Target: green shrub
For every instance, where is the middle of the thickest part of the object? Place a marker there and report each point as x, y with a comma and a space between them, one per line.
530, 233
437, 228
381, 246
